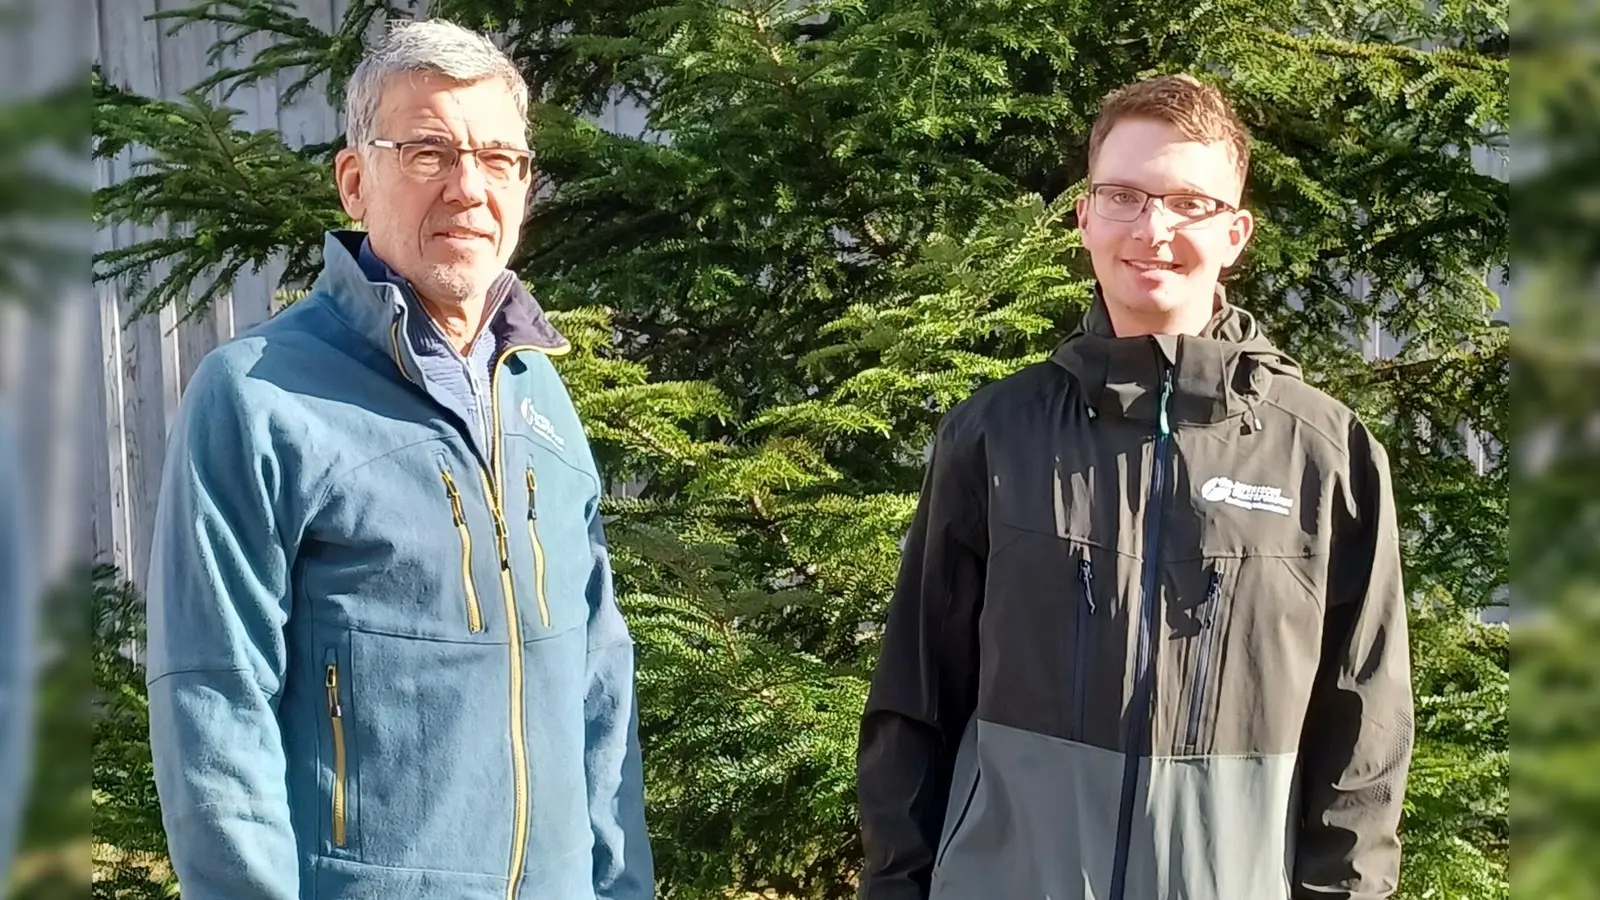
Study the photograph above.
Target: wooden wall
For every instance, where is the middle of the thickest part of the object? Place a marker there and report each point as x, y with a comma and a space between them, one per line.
145, 362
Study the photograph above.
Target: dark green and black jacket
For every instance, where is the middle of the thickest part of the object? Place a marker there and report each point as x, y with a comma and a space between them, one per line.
1148, 640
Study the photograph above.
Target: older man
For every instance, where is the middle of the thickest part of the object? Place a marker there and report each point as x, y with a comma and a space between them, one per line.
385, 659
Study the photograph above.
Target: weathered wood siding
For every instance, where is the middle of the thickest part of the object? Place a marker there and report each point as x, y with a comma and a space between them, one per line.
145, 362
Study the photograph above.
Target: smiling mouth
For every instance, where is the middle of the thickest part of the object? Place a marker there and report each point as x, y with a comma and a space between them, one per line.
463, 234
1151, 265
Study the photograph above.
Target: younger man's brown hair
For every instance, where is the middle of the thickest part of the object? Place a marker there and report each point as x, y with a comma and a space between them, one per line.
1197, 110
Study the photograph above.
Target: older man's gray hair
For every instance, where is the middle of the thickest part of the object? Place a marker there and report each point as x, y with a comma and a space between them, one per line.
432, 45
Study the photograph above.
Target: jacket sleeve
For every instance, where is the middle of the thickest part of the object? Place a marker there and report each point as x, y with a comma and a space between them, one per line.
17, 604
1357, 741
924, 689
218, 601
623, 866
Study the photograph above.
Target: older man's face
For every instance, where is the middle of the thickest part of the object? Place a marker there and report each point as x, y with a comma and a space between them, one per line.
449, 234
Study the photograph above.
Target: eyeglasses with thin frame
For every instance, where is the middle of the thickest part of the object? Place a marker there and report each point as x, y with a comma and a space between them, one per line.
429, 160
1121, 203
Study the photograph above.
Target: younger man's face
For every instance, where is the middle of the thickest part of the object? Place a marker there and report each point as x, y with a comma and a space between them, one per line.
1161, 268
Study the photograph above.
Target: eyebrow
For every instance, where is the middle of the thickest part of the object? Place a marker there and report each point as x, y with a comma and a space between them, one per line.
1183, 187
443, 141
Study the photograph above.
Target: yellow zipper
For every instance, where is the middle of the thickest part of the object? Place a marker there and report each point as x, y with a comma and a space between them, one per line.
336, 717
474, 611
519, 743
519, 747
538, 549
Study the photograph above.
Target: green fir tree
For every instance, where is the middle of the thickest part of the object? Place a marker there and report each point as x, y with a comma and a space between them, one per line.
843, 217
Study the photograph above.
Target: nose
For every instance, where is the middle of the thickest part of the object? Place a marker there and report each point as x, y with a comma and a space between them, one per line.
1155, 223
465, 185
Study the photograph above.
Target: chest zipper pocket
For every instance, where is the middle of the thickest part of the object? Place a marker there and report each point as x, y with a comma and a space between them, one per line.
458, 513
340, 762
1206, 612
538, 549
1080, 642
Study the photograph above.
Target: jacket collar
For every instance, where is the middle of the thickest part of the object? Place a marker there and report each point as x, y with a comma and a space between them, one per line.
377, 310
1224, 372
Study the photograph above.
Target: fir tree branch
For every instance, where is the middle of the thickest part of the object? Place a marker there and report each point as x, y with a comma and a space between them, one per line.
1367, 52
242, 198
292, 42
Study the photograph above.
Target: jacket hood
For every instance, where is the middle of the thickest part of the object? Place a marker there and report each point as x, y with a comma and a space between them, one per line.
1222, 373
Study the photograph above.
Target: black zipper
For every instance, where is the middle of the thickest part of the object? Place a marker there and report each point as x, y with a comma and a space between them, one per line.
1139, 711
1202, 666
1081, 641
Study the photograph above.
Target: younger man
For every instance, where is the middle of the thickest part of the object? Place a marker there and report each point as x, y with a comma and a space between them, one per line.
1149, 636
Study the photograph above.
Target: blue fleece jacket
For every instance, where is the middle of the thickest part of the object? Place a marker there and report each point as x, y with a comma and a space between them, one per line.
386, 661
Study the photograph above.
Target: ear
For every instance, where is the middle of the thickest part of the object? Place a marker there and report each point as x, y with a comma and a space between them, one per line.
1244, 225
1082, 208
349, 174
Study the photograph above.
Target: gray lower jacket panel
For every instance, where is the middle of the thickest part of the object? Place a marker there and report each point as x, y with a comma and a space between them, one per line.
1041, 823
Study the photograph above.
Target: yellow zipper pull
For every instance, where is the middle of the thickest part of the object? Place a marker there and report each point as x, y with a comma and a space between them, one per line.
455, 498
334, 708
500, 538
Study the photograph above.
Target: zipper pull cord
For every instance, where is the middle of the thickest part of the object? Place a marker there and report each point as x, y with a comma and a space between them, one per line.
1213, 595
1166, 397
1086, 577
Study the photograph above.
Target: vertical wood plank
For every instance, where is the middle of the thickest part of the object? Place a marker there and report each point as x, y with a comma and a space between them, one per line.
113, 50
250, 293
102, 540
308, 119
98, 438
132, 59
175, 74
183, 65
116, 515
167, 325
149, 350
198, 336
251, 298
